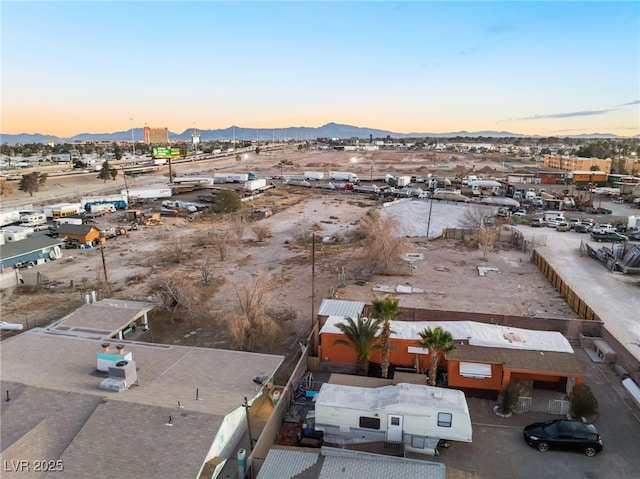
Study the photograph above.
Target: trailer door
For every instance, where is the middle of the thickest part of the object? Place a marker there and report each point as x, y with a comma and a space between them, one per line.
394, 428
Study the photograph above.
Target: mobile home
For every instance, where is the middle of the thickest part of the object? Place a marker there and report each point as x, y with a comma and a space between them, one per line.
33, 219
410, 413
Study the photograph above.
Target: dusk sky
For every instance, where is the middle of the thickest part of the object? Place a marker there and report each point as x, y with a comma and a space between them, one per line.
546, 68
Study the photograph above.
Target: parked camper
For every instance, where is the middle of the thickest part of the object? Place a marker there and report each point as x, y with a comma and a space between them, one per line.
409, 413
33, 219
313, 175
553, 215
344, 176
102, 208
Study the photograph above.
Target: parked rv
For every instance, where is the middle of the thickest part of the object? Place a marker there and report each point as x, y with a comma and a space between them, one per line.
414, 414
33, 219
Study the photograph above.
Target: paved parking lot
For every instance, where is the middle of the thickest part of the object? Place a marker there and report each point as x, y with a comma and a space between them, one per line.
498, 449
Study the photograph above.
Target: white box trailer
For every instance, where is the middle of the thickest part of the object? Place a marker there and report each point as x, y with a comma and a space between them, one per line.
313, 175
230, 177
344, 176
403, 181
9, 217
150, 193
410, 413
253, 185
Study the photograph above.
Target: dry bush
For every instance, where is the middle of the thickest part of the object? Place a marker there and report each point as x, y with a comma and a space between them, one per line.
251, 322
382, 248
262, 232
221, 239
486, 237
176, 291
238, 226
206, 271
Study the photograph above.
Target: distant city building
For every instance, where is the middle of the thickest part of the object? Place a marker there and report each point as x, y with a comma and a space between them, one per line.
155, 136
573, 163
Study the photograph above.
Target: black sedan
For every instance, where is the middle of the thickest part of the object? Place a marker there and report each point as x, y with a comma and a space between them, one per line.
564, 434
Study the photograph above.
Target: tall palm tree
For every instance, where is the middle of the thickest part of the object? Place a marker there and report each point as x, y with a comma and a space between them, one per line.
438, 342
387, 310
362, 338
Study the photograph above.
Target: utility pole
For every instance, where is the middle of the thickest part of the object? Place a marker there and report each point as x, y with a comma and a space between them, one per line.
104, 268
313, 277
247, 407
133, 141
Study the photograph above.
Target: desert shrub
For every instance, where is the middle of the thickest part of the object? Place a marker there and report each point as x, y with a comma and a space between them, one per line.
508, 398
583, 403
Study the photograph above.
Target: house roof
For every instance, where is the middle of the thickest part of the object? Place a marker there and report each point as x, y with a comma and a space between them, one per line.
67, 228
381, 398
166, 373
58, 411
538, 361
28, 245
103, 319
342, 463
477, 334
335, 307
135, 440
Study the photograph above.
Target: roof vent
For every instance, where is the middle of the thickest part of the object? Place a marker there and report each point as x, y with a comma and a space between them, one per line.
437, 394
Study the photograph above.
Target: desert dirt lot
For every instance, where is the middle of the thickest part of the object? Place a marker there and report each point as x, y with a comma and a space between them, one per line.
277, 271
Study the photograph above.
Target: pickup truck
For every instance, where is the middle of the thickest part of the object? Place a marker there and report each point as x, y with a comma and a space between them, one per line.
610, 236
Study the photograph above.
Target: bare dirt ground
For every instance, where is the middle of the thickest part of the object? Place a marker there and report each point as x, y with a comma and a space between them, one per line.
179, 248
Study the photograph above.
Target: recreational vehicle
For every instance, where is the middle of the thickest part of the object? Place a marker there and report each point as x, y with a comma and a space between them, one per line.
410, 413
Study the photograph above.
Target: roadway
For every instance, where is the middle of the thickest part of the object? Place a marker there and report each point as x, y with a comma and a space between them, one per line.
613, 296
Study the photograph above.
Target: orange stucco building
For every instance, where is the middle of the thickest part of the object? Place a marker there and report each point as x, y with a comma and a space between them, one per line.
486, 357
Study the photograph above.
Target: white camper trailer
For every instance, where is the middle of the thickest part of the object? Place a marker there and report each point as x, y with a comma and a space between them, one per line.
411, 413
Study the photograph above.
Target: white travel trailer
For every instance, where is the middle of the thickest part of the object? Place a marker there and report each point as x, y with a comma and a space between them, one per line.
479, 187
411, 413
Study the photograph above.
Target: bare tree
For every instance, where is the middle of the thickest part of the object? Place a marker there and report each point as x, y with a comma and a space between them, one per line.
238, 226
206, 271
252, 322
487, 237
262, 232
478, 218
221, 240
475, 216
173, 292
382, 247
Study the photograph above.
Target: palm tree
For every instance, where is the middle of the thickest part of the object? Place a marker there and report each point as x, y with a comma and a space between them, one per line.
438, 342
362, 338
387, 310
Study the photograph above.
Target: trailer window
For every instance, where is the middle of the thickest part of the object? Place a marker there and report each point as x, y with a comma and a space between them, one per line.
444, 419
370, 422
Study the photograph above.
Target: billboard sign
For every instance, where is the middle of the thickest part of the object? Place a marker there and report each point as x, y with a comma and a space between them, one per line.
165, 152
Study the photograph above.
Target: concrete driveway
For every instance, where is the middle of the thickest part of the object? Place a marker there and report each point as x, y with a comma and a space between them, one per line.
498, 449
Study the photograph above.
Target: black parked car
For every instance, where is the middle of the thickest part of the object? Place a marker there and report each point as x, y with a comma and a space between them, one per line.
564, 434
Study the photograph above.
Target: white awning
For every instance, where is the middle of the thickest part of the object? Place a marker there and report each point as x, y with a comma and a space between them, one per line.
475, 370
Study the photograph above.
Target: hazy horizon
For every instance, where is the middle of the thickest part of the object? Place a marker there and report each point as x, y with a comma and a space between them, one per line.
539, 68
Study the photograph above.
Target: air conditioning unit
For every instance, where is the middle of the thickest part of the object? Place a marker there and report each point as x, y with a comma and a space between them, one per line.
125, 370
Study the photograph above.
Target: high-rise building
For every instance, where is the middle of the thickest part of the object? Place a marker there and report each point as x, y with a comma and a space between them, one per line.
156, 136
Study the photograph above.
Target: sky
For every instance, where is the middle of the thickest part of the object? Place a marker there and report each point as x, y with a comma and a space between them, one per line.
535, 68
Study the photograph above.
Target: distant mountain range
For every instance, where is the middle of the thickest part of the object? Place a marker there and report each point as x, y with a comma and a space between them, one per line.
330, 130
